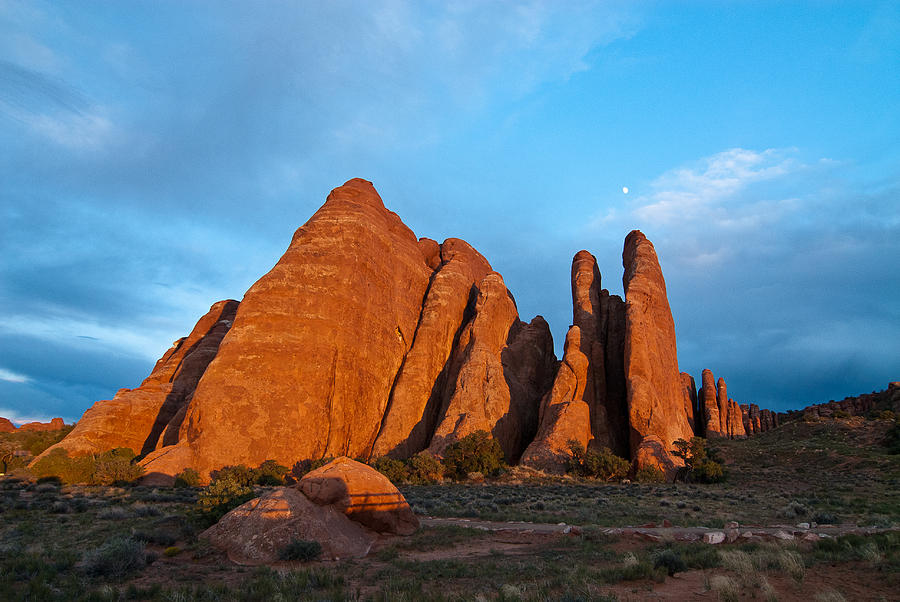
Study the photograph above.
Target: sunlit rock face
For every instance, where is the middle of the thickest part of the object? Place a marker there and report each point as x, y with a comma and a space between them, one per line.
363, 341
366, 341
656, 410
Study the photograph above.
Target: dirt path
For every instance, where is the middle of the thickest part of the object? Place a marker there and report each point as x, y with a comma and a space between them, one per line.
652, 532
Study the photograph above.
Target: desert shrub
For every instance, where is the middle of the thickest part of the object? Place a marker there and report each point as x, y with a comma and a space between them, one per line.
270, 472
70, 470
116, 466
187, 478
649, 474
394, 470
670, 560
598, 464
885, 415
423, 468
116, 558
841, 414
304, 466
171, 551
239, 475
476, 452
221, 496
892, 439
702, 464
301, 549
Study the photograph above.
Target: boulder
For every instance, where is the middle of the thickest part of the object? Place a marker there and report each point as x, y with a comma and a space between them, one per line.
135, 418
257, 531
362, 493
654, 386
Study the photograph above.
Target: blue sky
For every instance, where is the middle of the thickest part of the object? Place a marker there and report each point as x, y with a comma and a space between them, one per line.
156, 157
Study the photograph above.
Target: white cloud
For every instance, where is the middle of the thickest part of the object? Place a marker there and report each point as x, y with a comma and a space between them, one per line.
19, 418
13, 377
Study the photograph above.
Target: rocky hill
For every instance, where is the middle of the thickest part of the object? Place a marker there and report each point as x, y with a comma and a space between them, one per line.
365, 341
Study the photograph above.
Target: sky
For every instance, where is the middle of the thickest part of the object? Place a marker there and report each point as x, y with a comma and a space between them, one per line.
156, 157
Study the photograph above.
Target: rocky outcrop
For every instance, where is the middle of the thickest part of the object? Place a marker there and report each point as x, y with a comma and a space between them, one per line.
501, 369
689, 389
709, 401
364, 341
6, 426
654, 386
135, 418
258, 531
55, 424
587, 401
861, 405
363, 494
722, 403
418, 395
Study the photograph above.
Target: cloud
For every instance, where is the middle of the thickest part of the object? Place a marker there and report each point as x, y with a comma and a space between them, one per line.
12, 377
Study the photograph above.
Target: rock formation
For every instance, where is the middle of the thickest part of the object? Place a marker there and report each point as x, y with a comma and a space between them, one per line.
587, 400
654, 386
257, 531
55, 424
365, 341
6, 426
362, 493
861, 405
135, 418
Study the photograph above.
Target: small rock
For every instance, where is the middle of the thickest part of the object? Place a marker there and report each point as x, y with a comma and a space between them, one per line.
667, 524
810, 537
731, 525
747, 534
731, 535
782, 535
803, 526
713, 537
687, 537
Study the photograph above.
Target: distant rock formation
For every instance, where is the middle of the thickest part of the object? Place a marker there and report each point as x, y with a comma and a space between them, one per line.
861, 405
365, 341
6, 426
56, 424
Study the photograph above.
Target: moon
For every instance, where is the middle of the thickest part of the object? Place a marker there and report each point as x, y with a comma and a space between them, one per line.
624, 189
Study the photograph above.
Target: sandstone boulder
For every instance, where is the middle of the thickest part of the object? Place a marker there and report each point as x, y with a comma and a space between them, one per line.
257, 532
655, 396
362, 493
135, 418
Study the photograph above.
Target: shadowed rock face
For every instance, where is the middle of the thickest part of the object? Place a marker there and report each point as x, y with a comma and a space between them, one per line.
710, 404
655, 395
587, 400
135, 418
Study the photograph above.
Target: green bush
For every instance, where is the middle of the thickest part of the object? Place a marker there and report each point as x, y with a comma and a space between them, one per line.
423, 468
702, 464
304, 466
222, 496
670, 560
270, 472
116, 558
239, 475
649, 474
476, 452
892, 439
841, 414
394, 470
116, 466
302, 550
598, 464
187, 478
113, 466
